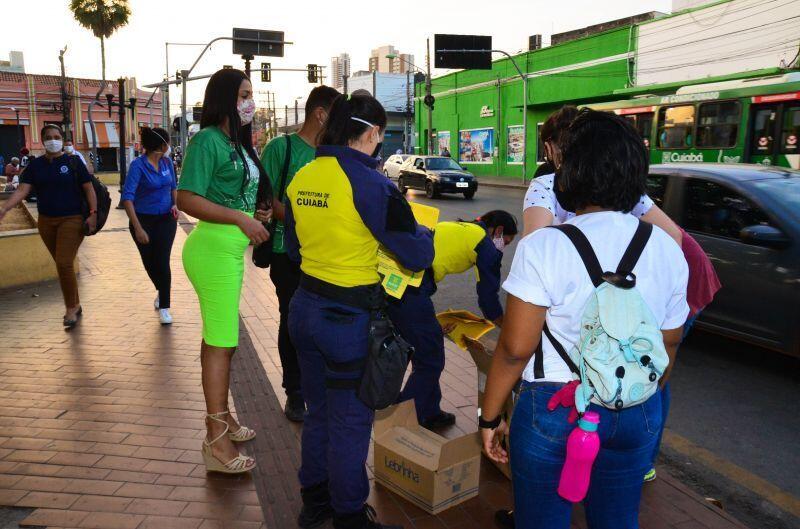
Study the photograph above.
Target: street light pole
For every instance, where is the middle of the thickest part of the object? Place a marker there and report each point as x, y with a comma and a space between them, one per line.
427, 94
64, 99
184, 77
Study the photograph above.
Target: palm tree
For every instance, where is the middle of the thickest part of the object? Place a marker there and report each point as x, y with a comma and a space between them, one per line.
103, 18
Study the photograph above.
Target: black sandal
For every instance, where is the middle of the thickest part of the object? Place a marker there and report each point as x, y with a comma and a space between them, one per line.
72, 322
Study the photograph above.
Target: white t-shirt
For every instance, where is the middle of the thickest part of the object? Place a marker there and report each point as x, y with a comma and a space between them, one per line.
547, 271
540, 193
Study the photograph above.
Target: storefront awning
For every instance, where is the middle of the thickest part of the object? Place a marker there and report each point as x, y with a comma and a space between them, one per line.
107, 134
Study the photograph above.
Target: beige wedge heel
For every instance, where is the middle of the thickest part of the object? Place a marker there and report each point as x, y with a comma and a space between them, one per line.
238, 465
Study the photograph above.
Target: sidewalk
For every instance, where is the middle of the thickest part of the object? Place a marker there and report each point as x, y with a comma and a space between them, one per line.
101, 426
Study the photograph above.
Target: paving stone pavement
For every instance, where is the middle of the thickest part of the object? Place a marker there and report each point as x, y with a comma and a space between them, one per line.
101, 427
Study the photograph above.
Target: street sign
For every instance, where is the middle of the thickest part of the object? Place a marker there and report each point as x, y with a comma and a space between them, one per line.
477, 57
259, 42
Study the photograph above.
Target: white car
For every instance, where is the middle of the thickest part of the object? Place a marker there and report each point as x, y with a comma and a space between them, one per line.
391, 167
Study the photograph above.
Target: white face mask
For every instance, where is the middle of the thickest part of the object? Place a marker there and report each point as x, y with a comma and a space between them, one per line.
247, 110
168, 151
53, 146
69, 149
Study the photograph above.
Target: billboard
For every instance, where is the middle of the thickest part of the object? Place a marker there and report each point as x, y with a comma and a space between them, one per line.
443, 142
476, 146
514, 145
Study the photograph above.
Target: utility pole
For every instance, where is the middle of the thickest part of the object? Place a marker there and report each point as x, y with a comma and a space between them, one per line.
123, 107
286, 118
409, 124
65, 120
296, 119
428, 96
184, 74
247, 59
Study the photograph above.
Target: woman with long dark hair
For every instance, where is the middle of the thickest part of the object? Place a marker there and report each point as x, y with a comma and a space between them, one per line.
339, 209
149, 200
61, 183
219, 181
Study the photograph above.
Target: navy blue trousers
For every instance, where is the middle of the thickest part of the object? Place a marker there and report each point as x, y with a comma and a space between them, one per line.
337, 425
414, 317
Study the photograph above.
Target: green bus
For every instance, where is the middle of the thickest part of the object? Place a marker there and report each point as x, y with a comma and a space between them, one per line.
741, 121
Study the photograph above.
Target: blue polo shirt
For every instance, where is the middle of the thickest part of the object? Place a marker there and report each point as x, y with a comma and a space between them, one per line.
57, 184
148, 189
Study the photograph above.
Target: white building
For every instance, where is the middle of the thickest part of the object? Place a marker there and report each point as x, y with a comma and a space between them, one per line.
726, 38
340, 68
395, 91
15, 63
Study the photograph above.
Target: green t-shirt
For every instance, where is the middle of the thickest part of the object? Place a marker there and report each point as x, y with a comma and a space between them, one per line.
272, 159
213, 169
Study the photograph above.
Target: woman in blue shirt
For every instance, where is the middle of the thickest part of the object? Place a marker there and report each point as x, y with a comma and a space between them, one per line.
149, 200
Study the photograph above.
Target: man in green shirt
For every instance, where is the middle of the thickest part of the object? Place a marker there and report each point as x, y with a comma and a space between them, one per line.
282, 158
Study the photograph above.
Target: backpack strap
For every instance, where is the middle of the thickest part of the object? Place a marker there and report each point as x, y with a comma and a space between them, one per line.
538, 361
285, 171
635, 248
585, 250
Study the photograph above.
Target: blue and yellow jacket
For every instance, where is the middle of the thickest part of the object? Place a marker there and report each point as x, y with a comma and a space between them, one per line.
461, 245
339, 209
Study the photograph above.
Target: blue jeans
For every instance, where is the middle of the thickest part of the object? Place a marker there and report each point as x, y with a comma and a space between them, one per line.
538, 450
414, 317
336, 431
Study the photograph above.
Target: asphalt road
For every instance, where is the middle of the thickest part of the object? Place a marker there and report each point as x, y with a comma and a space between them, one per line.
733, 428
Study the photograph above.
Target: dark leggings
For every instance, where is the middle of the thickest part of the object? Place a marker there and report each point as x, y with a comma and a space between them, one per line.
155, 255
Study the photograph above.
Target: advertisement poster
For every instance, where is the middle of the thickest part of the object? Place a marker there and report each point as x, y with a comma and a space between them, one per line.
476, 146
443, 142
514, 153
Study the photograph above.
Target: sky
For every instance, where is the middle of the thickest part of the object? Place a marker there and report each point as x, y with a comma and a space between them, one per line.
319, 29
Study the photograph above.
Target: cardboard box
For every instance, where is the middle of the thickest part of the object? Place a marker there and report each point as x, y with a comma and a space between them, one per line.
483, 360
421, 466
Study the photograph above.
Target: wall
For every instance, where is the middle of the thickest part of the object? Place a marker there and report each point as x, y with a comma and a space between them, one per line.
729, 37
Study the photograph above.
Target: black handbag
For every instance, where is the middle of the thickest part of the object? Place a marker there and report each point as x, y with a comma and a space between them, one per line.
262, 254
387, 360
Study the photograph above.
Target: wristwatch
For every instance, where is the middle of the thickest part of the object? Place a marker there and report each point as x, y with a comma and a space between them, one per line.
491, 425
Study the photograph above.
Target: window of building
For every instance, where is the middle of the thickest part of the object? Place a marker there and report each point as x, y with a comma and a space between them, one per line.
713, 209
790, 132
718, 124
675, 127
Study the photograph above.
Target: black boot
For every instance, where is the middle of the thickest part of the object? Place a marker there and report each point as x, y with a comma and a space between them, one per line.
316, 506
364, 519
295, 407
440, 420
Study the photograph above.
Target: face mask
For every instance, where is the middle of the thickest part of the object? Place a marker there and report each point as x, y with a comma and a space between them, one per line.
168, 151
499, 243
69, 149
564, 198
53, 146
376, 153
247, 110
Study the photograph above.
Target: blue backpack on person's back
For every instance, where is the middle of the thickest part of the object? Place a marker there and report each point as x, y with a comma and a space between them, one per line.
620, 355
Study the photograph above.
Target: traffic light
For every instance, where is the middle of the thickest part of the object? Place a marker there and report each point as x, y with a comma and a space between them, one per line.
429, 100
197, 113
313, 73
266, 72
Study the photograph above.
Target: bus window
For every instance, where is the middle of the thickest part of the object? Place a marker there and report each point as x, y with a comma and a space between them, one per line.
718, 124
763, 125
675, 125
790, 132
643, 123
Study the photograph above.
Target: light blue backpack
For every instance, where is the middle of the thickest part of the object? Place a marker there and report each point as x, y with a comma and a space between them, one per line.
620, 355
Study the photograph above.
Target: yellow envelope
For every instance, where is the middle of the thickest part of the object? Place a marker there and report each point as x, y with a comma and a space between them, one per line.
396, 278
467, 325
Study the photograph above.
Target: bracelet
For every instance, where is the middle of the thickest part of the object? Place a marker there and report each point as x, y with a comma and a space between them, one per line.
92, 211
491, 425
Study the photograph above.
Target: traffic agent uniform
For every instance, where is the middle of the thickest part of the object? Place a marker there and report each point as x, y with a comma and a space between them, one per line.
458, 246
339, 209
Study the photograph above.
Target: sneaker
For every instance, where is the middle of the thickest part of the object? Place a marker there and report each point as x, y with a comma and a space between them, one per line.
295, 407
164, 316
365, 519
650, 476
504, 518
439, 420
155, 302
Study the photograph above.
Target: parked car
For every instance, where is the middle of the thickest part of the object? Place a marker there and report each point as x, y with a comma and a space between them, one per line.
436, 175
391, 167
747, 219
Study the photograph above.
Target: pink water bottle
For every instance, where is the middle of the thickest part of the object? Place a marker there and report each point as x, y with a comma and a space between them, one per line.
583, 445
